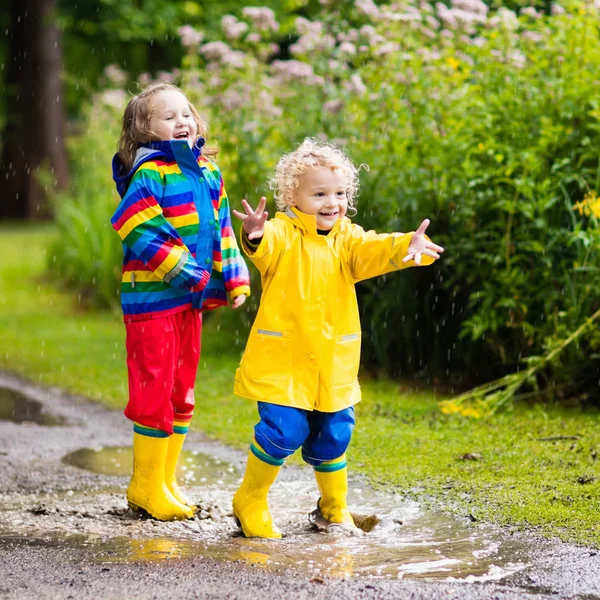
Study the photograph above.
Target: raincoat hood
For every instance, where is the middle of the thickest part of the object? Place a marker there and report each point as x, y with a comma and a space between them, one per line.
149, 151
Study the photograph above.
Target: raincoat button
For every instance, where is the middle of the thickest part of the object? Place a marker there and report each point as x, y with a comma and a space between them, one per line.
207, 261
211, 222
311, 356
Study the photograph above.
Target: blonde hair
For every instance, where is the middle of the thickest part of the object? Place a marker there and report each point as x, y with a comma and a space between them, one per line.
136, 123
312, 154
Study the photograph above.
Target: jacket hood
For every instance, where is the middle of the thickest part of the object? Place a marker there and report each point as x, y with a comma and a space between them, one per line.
306, 222
146, 152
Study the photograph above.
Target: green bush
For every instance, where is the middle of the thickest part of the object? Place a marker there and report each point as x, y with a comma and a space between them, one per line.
487, 123
87, 255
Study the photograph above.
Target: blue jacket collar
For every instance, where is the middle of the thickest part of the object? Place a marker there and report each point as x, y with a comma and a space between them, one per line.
149, 151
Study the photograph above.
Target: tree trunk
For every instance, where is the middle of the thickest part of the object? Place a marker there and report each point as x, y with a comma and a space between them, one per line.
34, 135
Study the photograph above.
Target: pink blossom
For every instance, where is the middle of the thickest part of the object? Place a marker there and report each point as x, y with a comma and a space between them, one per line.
292, 69
304, 26
250, 127
473, 6
253, 38
333, 106
432, 22
348, 36
190, 37
310, 42
235, 59
215, 81
387, 48
231, 99
144, 79
262, 17
530, 12
367, 8
232, 28
114, 98
165, 76
347, 48
115, 74
557, 9
355, 85
371, 34
215, 50
266, 104
532, 36
432, 35
518, 59
405, 17
505, 18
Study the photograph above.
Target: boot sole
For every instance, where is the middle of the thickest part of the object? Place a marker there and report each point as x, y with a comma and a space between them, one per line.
258, 537
146, 513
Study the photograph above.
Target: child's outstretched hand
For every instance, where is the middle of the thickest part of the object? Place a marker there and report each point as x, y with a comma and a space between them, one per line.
420, 245
254, 220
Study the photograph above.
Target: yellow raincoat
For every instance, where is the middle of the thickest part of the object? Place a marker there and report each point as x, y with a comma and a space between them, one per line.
304, 346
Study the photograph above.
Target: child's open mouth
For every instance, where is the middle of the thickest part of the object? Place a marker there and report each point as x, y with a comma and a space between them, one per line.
329, 214
182, 136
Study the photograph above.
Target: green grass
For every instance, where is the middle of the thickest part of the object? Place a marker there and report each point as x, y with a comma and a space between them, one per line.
402, 441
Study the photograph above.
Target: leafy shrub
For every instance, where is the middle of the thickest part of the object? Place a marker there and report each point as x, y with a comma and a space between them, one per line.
485, 122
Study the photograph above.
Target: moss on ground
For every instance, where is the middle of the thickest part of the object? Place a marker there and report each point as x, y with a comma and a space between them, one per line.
535, 467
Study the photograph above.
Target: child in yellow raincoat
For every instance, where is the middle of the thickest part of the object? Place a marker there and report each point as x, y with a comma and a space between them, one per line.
302, 357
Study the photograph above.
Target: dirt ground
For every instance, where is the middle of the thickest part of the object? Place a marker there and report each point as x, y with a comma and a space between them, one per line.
66, 532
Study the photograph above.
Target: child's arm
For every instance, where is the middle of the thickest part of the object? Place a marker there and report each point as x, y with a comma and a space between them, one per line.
259, 237
235, 272
373, 254
142, 226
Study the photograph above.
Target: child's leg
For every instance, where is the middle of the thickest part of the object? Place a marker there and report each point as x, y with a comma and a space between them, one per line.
188, 331
325, 449
279, 433
151, 351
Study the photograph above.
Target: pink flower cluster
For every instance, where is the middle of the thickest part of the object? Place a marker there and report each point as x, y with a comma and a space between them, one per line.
262, 17
190, 37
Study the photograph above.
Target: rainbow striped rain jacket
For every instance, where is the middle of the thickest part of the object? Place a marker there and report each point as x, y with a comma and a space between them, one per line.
179, 246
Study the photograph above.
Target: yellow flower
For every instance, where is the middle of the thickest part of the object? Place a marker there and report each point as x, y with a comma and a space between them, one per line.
470, 411
453, 62
481, 146
449, 407
590, 205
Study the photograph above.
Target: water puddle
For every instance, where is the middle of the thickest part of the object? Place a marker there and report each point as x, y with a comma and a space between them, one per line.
403, 540
194, 468
407, 542
19, 408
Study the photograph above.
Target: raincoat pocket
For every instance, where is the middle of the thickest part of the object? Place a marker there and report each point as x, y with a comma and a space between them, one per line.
268, 355
346, 359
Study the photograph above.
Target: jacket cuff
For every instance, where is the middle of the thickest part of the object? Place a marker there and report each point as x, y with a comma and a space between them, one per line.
199, 287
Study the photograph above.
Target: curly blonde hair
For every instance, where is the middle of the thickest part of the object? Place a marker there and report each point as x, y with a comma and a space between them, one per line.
311, 154
136, 123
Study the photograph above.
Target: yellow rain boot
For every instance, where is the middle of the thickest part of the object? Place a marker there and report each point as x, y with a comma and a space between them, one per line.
333, 485
148, 490
180, 429
250, 506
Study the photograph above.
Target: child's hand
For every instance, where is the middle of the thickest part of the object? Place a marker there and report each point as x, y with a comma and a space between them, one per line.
254, 220
420, 245
238, 301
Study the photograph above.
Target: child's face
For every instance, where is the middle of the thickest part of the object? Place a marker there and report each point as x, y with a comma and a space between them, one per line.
322, 192
171, 118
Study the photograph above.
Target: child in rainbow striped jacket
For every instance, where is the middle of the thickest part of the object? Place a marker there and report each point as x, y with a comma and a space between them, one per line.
180, 258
